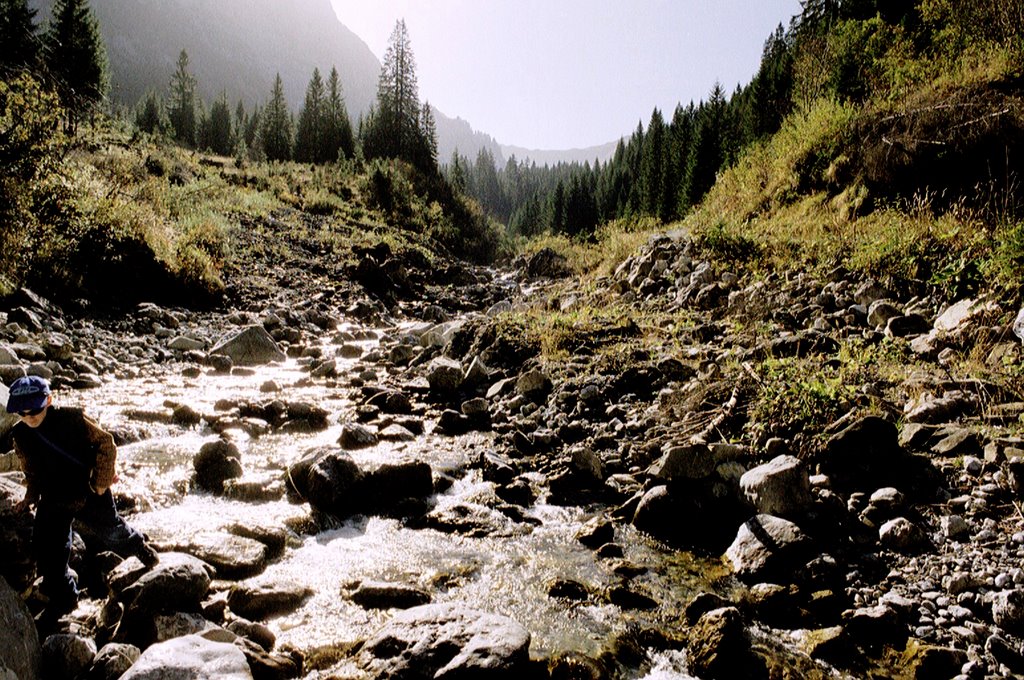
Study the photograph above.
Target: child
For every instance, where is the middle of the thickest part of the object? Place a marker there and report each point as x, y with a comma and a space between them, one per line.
69, 467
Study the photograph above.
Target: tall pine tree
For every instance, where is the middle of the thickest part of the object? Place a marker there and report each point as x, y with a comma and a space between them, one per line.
339, 142
311, 132
75, 56
182, 108
276, 125
18, 36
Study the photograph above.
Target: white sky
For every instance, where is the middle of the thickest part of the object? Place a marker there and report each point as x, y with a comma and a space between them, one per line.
560, 74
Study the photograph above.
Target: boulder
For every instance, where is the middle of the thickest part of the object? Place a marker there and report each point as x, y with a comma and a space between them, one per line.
179, 581
444, 375
437, 641
780, 487
392, 488
252, 346
719, 647
379, 595
768, 549
17, 565
191, 657
19, 642
684, 462
1008, 611
216, 462
861, 456
902, 536
66, 656
112, 661
232, 556
258, 601
356, 436
328, 480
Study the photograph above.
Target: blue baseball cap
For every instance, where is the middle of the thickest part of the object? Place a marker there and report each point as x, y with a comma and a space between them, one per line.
27, 393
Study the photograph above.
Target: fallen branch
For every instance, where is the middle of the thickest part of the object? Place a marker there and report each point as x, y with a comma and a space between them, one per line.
727, 408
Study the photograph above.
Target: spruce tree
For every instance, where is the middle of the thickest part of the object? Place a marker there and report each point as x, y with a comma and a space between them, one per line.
393, 129
651, 166
75, 56
182, 108
708, 150
276, 126
150, 115
18, 36
310, 135
428, 135
339, 140
217, 134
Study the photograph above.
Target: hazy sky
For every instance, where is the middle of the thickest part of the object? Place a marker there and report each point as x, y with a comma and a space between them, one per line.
560, 74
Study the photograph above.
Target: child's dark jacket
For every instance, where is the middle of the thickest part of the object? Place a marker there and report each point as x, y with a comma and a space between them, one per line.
65, 458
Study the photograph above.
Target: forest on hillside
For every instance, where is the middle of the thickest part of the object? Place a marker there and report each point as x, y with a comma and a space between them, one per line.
862, 53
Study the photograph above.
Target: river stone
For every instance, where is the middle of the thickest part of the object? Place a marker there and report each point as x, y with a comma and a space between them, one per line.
780, 487
19, 642
390, 487
66, 656
251, 347
902, 536
687, 461
179, 624
447, 641
768, 549
477, 373
183, 343
232, 556
719, 647
533, 383
1008, 611
216, 462
356, 436
380, 595
258, 601
444, 375
192, 657
180, 581
861, 455
328, 480
112, 661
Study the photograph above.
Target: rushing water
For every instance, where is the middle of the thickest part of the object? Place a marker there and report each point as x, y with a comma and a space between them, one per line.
508, 572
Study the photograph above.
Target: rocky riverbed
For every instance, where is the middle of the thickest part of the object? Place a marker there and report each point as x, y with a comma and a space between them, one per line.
385, 475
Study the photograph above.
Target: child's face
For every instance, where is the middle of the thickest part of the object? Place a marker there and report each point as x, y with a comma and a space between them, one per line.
34, 418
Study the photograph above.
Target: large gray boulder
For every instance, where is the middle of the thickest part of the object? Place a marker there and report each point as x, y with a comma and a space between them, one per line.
780, 487
685, 461
19, 641
191, 657
719, 647
329, 480
251, 347
447, 641
66, 656
178, 582
232, 556
257, 601
217, 462
768, 549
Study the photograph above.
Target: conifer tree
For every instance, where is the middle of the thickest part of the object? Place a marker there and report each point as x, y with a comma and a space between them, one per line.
339, 140
182, 108
651, 166
708, 150
393, 128
428, 134
276, 127
18, 36
150, 115
310, 135
216, 129
457, 172
75, 56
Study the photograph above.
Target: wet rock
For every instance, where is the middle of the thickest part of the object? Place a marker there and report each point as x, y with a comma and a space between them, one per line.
719, 647
186, 416
391, 401
251, 347
178, 624
328, 480
596, 533
183, 343
780, 487
179, 581
20, 651
768, 548
447, 641
216, 462
356, 436
66, 656
380, 595
191, 656
255, 488
453, 423
396, 433
396, 489
232, 556
256, 632
112, 661
257, 601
